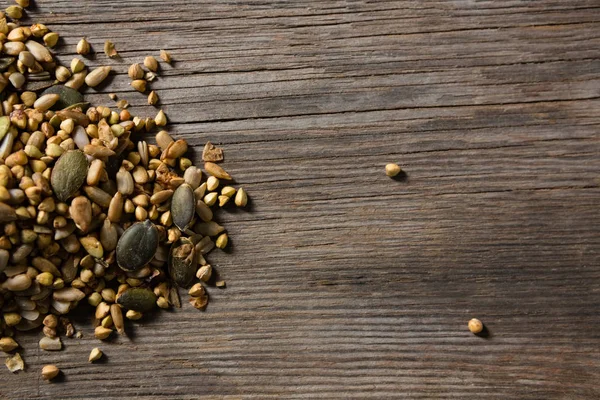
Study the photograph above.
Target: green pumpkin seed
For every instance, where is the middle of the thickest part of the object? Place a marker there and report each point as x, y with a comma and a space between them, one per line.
182, 262
137, 299
6, 62
68, 96
137, 246
183, 206
68, 174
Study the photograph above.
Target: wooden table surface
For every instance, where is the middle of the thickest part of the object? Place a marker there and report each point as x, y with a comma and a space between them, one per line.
341, 282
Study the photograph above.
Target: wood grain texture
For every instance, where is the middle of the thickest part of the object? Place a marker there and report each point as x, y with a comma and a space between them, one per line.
342, 283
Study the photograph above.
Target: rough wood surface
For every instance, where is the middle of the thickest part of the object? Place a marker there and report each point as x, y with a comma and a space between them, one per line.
342, 283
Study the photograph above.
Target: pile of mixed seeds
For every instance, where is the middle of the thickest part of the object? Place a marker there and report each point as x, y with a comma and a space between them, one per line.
89, 211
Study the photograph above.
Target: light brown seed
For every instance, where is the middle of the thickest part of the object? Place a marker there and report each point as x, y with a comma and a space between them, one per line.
241, 198
95, 354
204, 273
46, 101
163, 140
152, 98
98, 151
8, 344
162, 196
135, 71
102, 333
166, 56
216, 171
50, 372
98, 75
475, 326
83, 47
139, 85
160, 119
117, 316
151, 63
38, 51
109, 49
50, 344
68, 294
81, 213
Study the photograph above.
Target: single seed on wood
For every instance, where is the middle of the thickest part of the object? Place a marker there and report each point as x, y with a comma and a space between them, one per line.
220, 284
160, 119
135, 71
95, 354
475, 326
151, 63
216, 171
204, 273
241, 198
166, 56
392, 170
109, 49
83, 47
96, 77
222, 241
152, 98
15, 363
50, 344
50, 372
8, 344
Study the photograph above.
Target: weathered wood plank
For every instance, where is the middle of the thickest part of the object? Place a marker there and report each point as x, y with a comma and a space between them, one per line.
343, 283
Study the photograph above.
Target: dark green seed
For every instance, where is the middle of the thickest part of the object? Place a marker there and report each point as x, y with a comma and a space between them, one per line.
5, 62
183, 206
68, 96
137, 246
182, 262
137, 299
68, 174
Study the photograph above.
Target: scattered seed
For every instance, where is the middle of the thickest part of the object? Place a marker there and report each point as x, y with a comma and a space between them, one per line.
151, 63
15, 363
95, 355
50, 372
392, 170
83, 47
96, 77
475, 326
137, 246
109, 49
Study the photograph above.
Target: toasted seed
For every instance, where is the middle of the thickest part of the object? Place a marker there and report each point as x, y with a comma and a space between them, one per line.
14, 12
38, 51
81, 213
212, 183
67, 97
203, 211
133, 315
204, 273
212, 153
220, 284
51, 39
7, 213
160, 119
475, 326
68, 174
102, 333
183, 206
135, 71
210, 228
8, 344
392, 170
95, 354
241, 198
139, 85
17, 283
216, 171
137, 246
15, 363
45, 102
83, 47
109, 49
96, 77
50, 344
92, 246
166, 56
162, 196
68, 294
137, 299
182, 263
77, 65
50, 372
98, 195
117, 317
211, 198
197, 290
125, 183
222, 241
151, 63
152, 98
